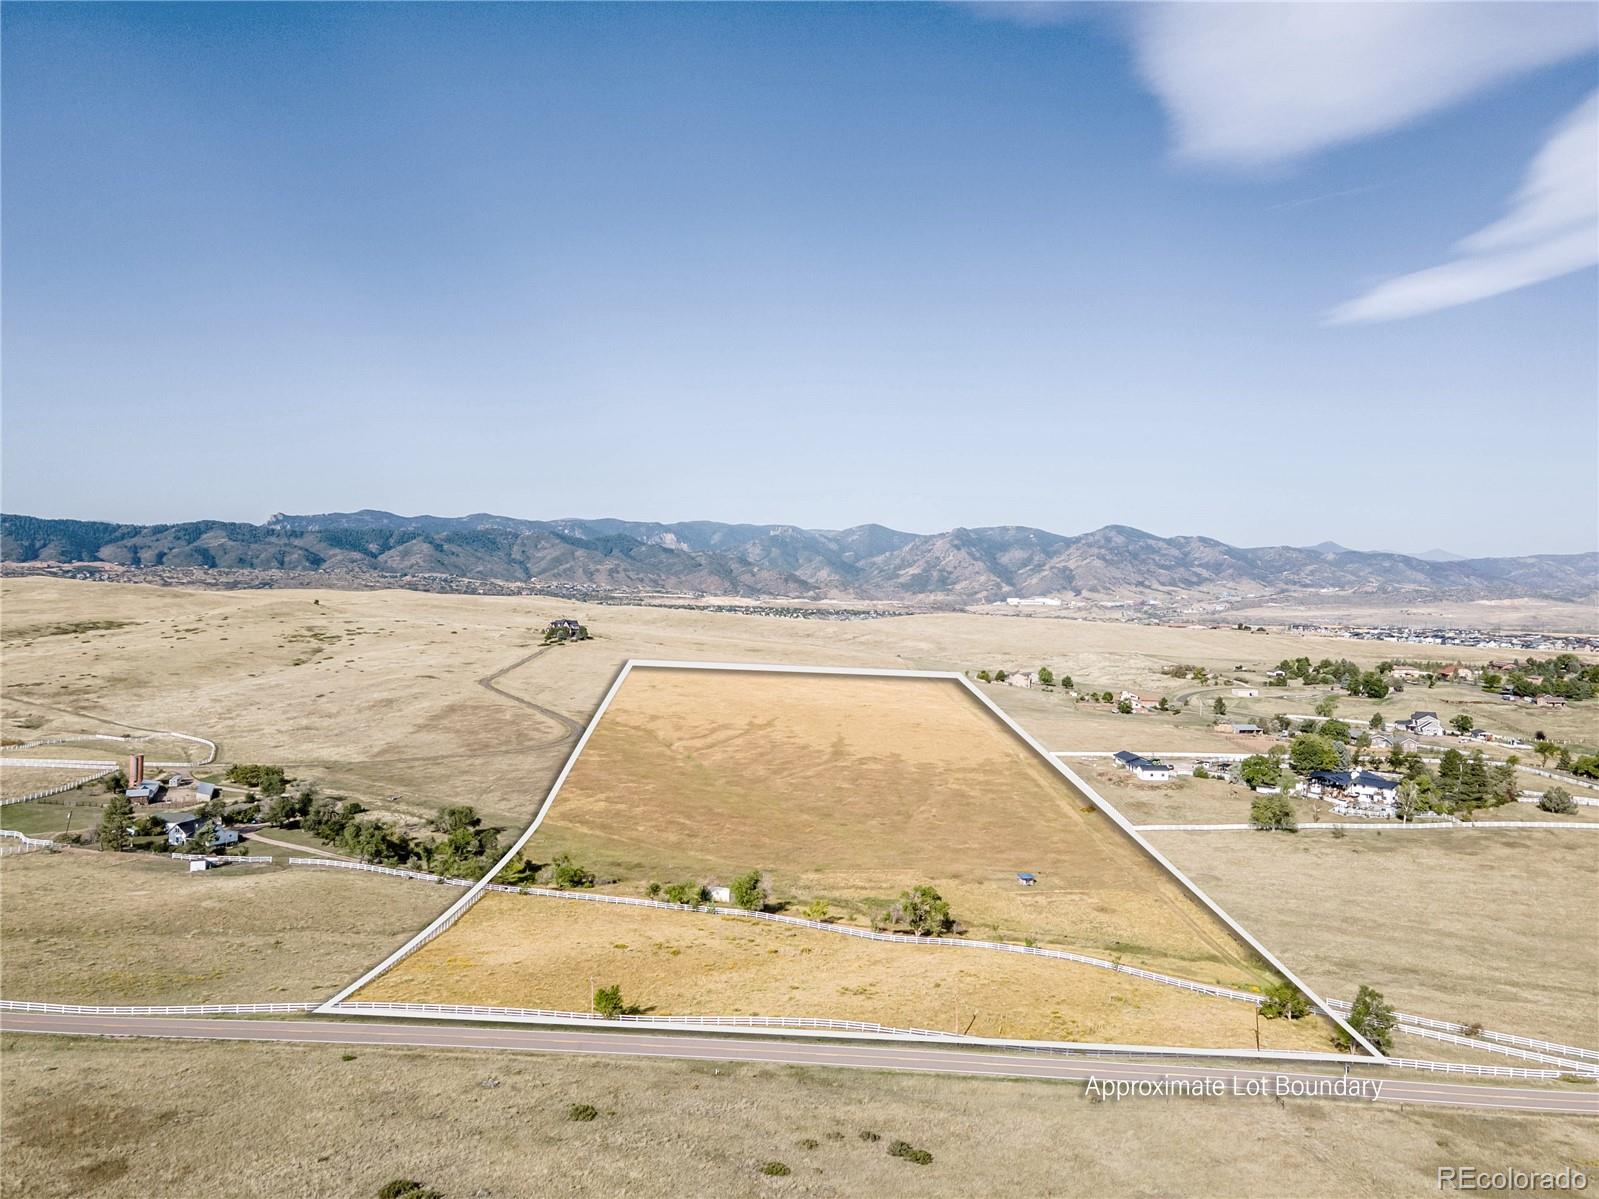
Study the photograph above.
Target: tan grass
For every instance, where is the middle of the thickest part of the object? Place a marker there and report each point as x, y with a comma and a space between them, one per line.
529, 951
100, 1118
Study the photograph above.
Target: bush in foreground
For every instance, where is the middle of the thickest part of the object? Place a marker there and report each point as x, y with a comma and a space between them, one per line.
910, 1153
1272, 812
582, 1112
407, 1188
776, 1170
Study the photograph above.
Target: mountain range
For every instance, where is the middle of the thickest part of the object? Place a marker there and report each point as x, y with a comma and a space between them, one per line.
869, 562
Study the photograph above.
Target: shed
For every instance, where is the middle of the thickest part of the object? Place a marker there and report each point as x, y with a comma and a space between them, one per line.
1026, 879
206, 790
199, 864
721, 895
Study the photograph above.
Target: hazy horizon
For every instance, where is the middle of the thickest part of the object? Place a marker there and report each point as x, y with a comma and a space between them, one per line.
1414, 552
927, 266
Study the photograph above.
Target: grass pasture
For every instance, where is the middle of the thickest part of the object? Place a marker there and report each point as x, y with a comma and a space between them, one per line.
529, 951
85, 927
1495, 926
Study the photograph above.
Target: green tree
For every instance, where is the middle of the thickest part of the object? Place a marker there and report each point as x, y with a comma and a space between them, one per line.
1000, 676
1066, 681
1257, 770
1272, 812
817, 910
1334, 730
1327, 705
1373, 685
567, 875
1284, 1001
608, 1001
748, 892
984, 677
1462, 724
1125, 707
1375, 724
1586, 767
1164, 705
924, 911
1046, 677
1219, 707
1558, 800
1308, 753
1372, 1018
1407, 801
114, 821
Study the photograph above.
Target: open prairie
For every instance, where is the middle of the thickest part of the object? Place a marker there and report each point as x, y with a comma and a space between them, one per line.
854, 789
1494, 926
411, 701
530, 951
427, 697
86, 927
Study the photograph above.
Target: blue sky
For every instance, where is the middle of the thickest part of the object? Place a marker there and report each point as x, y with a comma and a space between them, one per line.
921, 265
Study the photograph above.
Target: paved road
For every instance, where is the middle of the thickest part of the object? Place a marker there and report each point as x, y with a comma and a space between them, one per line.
874, 1056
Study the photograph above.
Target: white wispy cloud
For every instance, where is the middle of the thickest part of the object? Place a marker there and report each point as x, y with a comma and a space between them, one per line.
1551, 229
1257, 84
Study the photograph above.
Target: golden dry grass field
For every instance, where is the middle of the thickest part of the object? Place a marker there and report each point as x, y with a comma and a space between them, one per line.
536, 952
851, 790
1488, 926
301, 1120
86, 927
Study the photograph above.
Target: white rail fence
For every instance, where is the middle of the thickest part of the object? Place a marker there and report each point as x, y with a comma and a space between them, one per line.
534, 1014
1528, 1055
222, 859
1475, 1070
59, 789
125, 738
25, 843
170, 1009
1476, 1037
480, 1012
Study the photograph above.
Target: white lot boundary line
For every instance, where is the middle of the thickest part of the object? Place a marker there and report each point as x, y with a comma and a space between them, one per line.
1099, 801
1456, 1032
1370, 826
457, 909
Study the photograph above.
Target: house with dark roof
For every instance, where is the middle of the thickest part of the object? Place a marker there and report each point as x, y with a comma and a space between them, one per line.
1425, 724
1144, 769
1353, 792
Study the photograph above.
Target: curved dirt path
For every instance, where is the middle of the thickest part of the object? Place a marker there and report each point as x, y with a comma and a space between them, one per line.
569, 728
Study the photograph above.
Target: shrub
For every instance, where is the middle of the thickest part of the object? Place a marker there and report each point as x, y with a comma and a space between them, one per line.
582, 1112
567, 875
608, 1001
810, 1143
346, 1057
776, 1170
869, 1136
692, 894
748, 892
407, 1188
910, 1153
1557, 799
